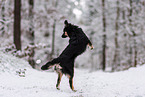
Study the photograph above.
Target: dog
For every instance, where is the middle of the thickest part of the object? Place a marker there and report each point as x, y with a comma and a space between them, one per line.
64, 64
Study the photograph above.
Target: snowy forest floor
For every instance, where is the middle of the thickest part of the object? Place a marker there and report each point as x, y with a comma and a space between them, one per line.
36, 83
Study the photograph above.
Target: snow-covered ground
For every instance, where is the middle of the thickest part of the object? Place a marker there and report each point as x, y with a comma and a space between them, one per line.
36, 83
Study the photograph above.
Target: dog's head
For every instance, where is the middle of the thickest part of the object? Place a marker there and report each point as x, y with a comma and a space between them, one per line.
69, 30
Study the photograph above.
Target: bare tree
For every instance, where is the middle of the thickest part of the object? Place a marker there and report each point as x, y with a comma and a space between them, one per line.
31, 34
55, 3
133, 32
104, 36
17, 24
53, 38
116, 55
2, 29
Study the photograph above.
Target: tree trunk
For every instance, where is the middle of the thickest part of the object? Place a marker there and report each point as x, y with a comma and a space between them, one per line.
2, 29
31, 27
17, 24
31, 33
133, 33
135, 52
55, 3
53, 39
116, 55
104, 36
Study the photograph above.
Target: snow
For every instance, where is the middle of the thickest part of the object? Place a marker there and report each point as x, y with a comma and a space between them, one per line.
130, 83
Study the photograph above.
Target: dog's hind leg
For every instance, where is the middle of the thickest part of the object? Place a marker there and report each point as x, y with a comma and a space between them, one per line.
71, 83
55, 61
60, 74
50, 64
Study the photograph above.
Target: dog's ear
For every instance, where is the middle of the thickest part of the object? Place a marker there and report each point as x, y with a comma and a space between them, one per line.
66, 23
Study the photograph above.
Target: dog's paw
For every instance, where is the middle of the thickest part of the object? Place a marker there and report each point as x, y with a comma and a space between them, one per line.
91, 47
44, 67
57, 88
74, 90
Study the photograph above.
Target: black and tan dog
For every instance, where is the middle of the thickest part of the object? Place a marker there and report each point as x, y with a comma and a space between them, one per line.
65, 62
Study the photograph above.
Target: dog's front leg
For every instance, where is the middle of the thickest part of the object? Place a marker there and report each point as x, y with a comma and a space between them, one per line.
91, 46
60, 74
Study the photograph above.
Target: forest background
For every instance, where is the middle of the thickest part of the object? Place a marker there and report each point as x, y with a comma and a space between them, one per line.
32, 29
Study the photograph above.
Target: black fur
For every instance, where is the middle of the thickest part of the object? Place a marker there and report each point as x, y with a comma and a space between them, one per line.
77, 45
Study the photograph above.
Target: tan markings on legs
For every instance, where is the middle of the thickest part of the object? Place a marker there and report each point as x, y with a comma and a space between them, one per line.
91, 46
68, 76
60, 74
71, 84
58, 68
50, 66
